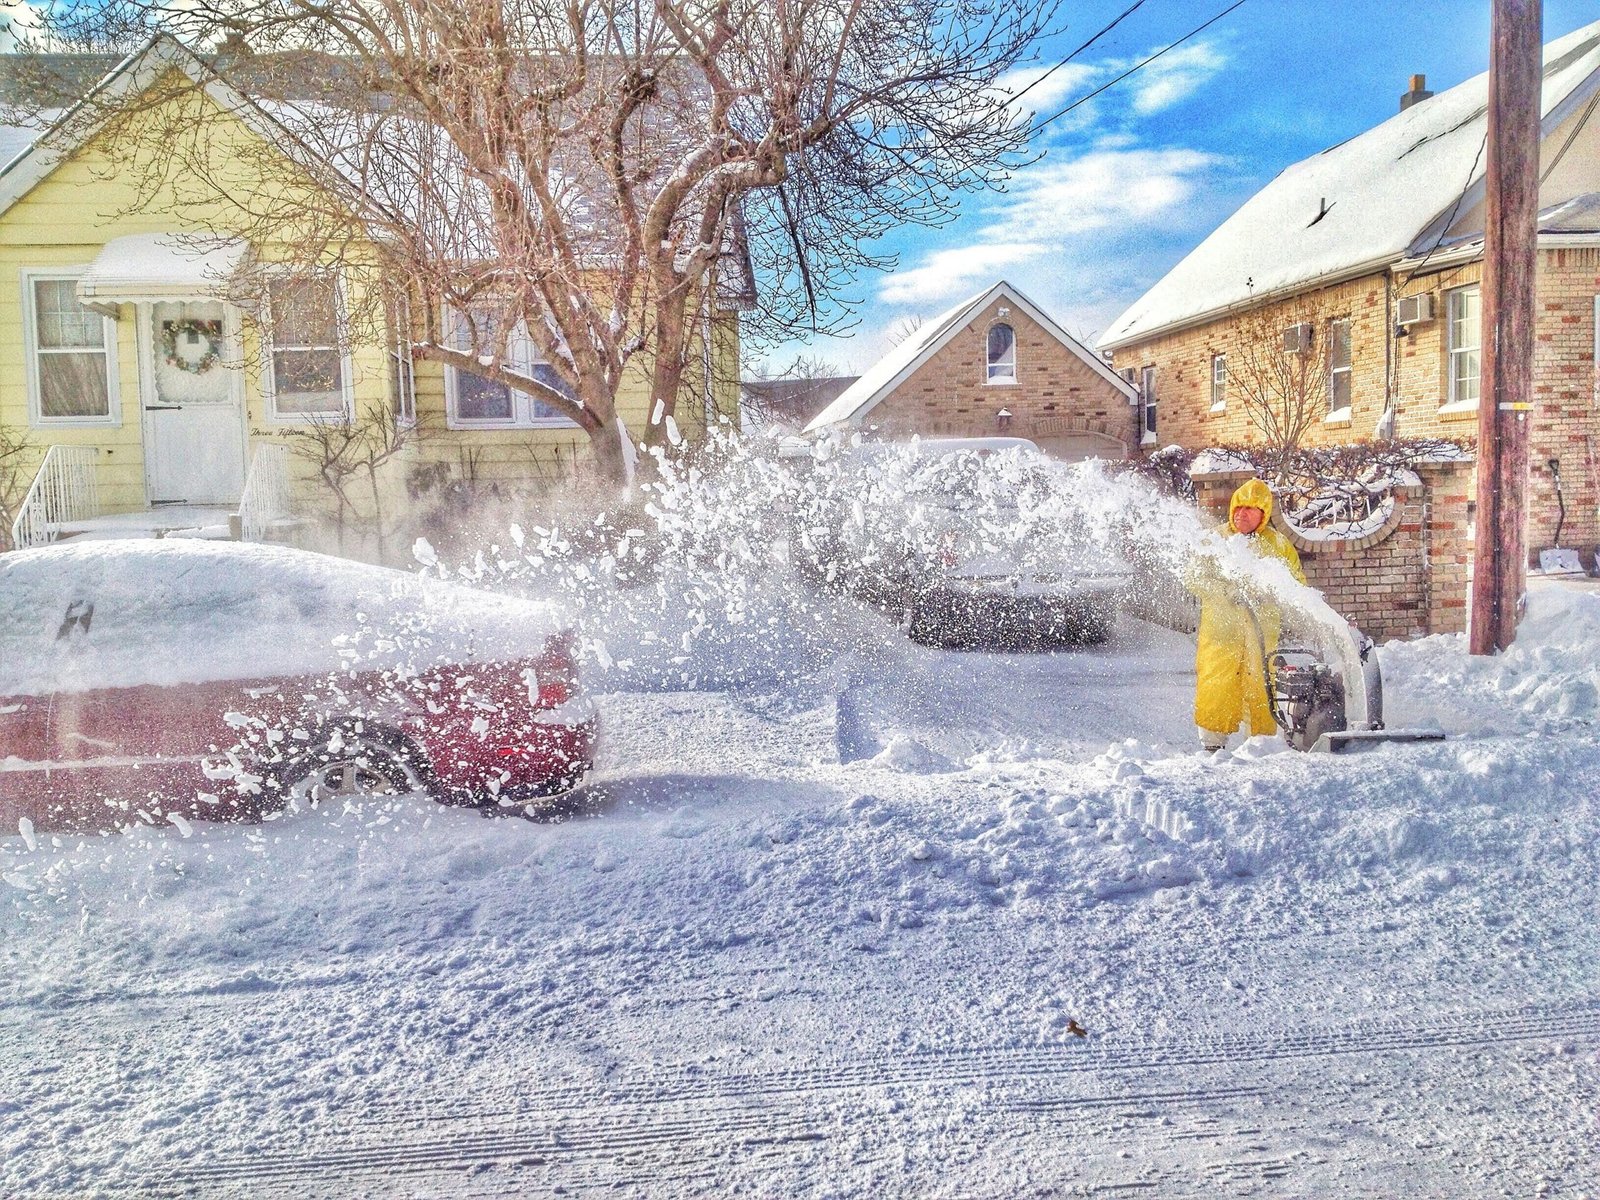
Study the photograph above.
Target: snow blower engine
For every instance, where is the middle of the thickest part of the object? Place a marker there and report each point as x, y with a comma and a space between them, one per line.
1320, 708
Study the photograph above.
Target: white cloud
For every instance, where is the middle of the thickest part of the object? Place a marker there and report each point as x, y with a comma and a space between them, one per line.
1052, 205
1042, 89
1085, 228
1175, 77
17, 21
1104, 188
948, 274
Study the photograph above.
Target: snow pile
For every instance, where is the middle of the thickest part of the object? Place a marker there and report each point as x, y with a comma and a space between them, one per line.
1549, 679
1019, 847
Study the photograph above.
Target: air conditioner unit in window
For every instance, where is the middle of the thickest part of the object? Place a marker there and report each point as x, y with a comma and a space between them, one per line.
1297, 338
1414, 310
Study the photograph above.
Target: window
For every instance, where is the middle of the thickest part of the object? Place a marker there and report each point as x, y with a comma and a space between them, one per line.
479, 402
309, 375
71, 354
402, 369
1219, 382
1002, 354
1339, 365
1147, 389
1464, 340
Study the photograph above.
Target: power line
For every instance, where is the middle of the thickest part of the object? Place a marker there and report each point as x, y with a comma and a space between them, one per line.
1138, 66
1122, 16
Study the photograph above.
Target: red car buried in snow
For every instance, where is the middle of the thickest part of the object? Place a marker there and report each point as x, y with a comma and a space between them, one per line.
220, 680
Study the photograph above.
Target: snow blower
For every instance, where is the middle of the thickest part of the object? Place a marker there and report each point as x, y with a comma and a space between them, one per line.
1326, 707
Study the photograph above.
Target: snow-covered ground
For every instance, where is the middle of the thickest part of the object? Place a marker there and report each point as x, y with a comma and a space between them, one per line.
827, 926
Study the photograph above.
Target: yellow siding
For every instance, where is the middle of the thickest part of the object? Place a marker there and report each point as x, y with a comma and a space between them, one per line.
66, 219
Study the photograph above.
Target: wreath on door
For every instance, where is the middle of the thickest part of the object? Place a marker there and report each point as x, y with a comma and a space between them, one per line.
191, 344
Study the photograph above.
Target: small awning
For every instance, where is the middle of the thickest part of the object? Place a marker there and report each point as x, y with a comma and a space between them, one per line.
161, 266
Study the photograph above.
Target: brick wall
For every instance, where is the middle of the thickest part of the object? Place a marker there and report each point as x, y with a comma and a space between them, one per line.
1566, 423
1058, 400
1406, 579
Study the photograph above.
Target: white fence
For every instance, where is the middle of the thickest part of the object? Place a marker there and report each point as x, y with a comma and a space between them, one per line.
63, 491
265, 502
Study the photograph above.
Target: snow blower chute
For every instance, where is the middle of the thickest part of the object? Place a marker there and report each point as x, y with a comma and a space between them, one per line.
1332, 701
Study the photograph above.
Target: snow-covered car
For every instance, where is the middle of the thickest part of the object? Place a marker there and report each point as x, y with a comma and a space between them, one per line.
967, 541
218, 680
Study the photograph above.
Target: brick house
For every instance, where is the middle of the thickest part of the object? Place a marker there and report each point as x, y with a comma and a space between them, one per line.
995, 364
1380, 240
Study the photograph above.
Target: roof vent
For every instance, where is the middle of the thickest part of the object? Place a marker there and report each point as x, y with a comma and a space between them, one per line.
1418, 93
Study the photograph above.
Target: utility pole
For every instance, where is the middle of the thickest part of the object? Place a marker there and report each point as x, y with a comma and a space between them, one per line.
1500, 558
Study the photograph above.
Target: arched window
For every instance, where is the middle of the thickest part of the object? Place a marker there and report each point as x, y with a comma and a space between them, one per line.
1002, 354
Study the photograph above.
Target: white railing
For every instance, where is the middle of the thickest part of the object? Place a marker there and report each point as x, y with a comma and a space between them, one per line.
266, 492
63, 491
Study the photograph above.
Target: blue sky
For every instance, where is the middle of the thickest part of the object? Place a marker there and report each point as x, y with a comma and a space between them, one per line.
1134, 179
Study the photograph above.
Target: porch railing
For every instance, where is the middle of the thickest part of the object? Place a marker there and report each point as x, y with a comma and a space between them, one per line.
265, 501
64, 491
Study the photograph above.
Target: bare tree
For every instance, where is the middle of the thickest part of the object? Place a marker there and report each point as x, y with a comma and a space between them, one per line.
347, 451
1279, 364
783, 394
903, 328
16, 476
582, 183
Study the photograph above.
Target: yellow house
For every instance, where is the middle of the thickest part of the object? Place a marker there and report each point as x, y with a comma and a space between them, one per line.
150, 397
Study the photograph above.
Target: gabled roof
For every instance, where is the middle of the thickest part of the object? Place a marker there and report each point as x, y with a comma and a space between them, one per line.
895, 367
1382, 196
309, 107
139, 70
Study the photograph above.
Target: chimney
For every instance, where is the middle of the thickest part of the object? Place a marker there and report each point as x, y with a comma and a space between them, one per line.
1419, 92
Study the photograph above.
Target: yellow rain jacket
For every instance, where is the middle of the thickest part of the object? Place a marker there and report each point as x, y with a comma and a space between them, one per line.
1230, 661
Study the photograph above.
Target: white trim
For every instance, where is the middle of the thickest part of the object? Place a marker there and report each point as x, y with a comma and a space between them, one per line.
990, 379
30, 349
400, 362
1453, 402
521, 402
1149, 397
269, 380
1452, 409
1339, 416
1423, 245
1349, 368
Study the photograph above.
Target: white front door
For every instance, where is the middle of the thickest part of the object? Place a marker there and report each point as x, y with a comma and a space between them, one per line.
193, 405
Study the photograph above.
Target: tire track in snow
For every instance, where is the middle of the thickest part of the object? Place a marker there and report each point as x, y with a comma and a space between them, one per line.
970, 1066
672, 1123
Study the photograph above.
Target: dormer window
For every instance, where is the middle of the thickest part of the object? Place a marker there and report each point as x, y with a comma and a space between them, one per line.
1002, 354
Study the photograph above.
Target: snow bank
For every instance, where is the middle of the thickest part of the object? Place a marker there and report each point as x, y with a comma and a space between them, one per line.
1548, 679
120, 614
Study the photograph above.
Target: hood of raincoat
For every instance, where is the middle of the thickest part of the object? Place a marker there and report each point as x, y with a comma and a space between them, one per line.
1252, 493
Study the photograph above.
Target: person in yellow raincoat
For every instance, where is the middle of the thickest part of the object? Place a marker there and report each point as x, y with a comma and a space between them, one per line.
1230, 660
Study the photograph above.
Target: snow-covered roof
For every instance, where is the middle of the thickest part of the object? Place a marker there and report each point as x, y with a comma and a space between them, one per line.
155, 265
1354, 208
14, 139
895, 367
1580, 214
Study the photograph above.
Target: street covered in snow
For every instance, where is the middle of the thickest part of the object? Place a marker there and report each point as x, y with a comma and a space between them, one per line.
842, 915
